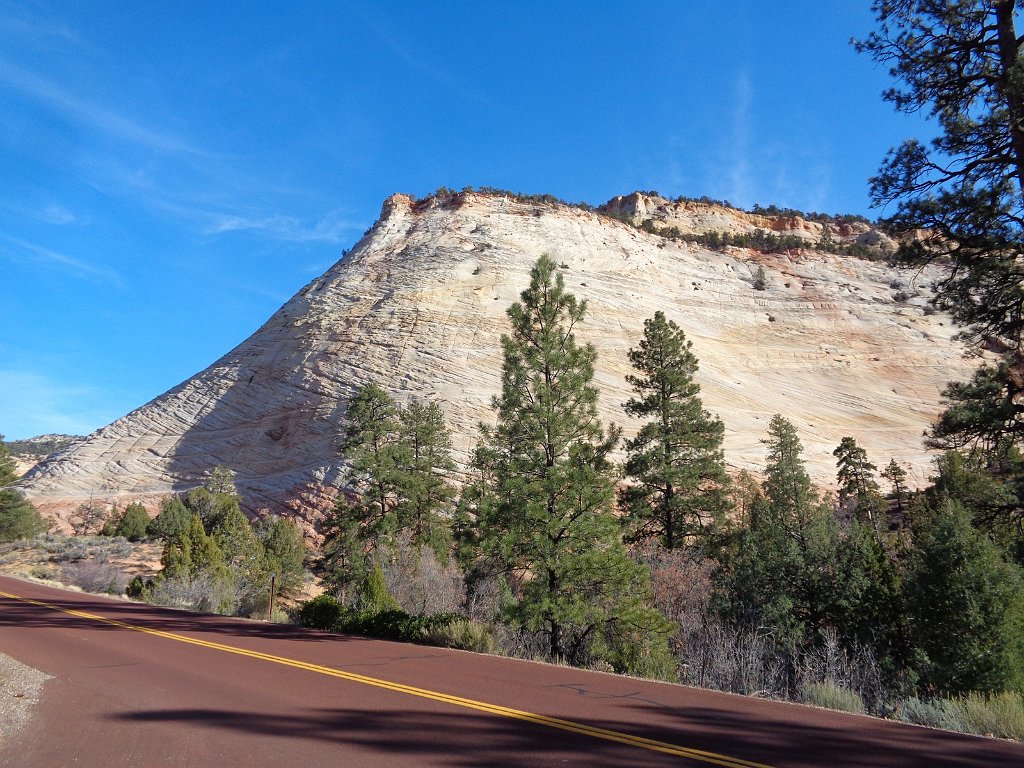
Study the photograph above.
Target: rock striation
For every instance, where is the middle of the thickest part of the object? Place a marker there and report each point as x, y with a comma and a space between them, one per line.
839, 345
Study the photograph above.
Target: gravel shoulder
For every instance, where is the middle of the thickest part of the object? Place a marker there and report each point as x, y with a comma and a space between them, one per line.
20, 689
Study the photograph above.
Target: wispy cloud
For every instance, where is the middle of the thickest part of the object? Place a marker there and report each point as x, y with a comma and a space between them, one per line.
428, 68
57, 214
332, 228
70, 264
33, 404
739, 170
97, 117
16, 21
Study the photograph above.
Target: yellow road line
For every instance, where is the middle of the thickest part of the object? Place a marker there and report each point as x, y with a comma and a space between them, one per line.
458, 701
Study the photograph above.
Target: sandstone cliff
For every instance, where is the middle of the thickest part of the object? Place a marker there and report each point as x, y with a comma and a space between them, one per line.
841, 346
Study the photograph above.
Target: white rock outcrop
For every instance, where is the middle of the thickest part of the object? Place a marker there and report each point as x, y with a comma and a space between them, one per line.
419, 306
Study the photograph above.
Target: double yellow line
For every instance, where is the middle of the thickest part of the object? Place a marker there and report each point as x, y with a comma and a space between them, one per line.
458, 701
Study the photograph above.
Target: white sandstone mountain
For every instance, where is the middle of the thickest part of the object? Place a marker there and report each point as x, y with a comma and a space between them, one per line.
839, 345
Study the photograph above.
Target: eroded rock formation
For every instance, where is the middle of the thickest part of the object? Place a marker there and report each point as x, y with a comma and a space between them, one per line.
839, 345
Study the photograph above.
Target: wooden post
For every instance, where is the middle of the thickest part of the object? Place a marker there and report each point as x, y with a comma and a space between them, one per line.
270, 614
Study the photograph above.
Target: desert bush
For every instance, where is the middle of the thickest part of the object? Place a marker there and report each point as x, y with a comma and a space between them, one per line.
934, 714
95, 576
43, 571
464, 634
1001, 714
209, 593
88, 518
281, 616
322, 612
519, 643
139, 589
831, 696
70, 551
419, 582
487, 592
831, 664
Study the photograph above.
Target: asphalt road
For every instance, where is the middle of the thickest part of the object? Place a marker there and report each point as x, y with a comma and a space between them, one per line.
136, 685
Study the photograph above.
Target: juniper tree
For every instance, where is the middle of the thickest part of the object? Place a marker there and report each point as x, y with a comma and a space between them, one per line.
679, 488
173, 518
284, 548
547, 509
965, 606
132, 523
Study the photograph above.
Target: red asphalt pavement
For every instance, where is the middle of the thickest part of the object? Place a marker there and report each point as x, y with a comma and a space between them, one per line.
120, 697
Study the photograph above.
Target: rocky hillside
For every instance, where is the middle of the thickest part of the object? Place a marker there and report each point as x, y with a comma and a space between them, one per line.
839, 345
30, 451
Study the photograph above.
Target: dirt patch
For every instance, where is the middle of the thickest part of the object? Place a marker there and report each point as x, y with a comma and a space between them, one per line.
20, 689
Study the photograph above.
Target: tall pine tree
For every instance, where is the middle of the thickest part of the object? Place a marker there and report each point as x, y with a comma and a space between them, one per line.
547, 513
679, 488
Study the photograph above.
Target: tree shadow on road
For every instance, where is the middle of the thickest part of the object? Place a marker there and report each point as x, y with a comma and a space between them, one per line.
470, 739
15, 613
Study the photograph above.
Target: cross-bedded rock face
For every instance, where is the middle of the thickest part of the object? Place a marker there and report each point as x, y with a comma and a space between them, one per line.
419, 306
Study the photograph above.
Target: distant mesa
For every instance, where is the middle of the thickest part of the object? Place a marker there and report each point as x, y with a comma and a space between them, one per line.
837, 341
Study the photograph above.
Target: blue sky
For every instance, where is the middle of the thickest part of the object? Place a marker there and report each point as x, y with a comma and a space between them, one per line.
171, 173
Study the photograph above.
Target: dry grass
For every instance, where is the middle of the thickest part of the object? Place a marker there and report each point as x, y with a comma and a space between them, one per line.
81, 561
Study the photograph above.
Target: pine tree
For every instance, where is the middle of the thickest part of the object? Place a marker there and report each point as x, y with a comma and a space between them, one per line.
858, 488
869, 602
783, 574
960, 64
423, 459
547, 513
897, 477
787, 485
343, 560
371, 446
676, 462
19, 519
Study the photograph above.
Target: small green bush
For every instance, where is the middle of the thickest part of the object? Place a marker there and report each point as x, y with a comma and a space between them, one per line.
43, 571
322, 612
934, 714
393, 624
139, 589
832, 696
464, 634
760, 279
